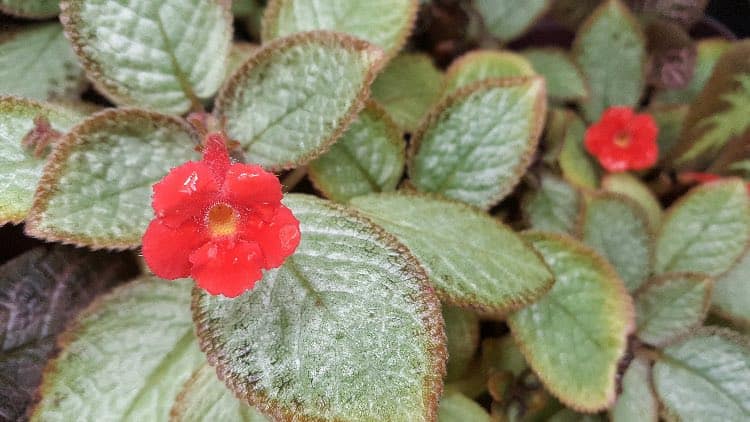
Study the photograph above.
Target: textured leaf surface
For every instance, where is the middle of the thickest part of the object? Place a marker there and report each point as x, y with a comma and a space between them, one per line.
554, 207
368, 158
709, 51
37, 62
610, 49
96, 186
40, 291
455, 407
637, 402
671, 305
670, 120
30, 8
472, 259
126, 357
576, 164
706, 377
731, 297
205, 398
564, 78
297, 96
705, 231
477, 143
163, 55
462, 333
20, 171
574, 336
479, 65
627, 244
348, 328
408, 87
630, 186
507, 19
385, 23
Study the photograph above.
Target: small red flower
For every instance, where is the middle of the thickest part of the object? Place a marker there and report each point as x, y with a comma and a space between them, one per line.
622, 140
219, 222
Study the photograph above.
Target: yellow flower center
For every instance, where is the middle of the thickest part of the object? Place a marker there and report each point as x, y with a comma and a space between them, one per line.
622, 139
222, 220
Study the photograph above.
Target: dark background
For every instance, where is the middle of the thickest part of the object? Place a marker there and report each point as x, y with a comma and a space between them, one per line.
735, 14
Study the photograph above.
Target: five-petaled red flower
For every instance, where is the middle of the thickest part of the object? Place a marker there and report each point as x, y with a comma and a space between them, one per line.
622, 140
219, 222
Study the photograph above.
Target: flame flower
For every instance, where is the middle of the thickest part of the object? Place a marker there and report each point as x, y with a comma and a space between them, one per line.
622, 140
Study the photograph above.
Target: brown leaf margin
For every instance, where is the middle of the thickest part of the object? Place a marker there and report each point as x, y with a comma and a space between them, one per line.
458, 66
269, 25
432, 320
327, 38
444, 107
57, 164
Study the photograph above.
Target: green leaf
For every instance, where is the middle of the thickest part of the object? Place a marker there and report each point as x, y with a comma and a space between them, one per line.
554, 207
238, 55
731, 297
719, 113
125, 358
480, 65
164, 55
670, 306
455, 407
37, 62
628, 243
708, 53
568, 415
205, 398
575, 335
462, 334
477, 143
283, 120
473, 260
670, 121
408, 87
576, 164
30, 8
706, 230
706, 377
507, 19
368, 158
40, 291
347, 329
96, 186
637, 402
610, 48
565, 80
630, 186
244, 8
571, 13
385, 23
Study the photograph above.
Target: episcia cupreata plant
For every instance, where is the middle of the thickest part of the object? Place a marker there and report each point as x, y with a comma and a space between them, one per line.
346, 210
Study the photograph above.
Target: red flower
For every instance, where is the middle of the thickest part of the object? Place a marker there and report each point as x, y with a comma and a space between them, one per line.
219, 222
690, 177
622, 140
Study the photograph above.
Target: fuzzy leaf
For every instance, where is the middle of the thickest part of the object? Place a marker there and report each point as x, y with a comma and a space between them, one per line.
637, 402
408, 87
472, 259
574, 336
348, 328
205, 398
731, 297
96, 186
125, 358
479, 65
670, 120
37, 62
30, 8
283, 119
40, 291
477, 143
462, 334
238, 55
671, 305
627, 244
576, 164
708, 53
385, 23
368, 158
564, 79
706, 230
630, 186
554, 207
610, 48
164, 55
507, 19
20, 170
706, 377
455, 407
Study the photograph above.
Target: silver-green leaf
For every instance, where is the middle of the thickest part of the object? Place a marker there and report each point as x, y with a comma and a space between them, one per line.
565, 80
555, 206
637, 402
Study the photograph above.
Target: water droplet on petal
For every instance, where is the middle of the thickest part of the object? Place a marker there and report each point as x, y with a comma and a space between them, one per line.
190, 184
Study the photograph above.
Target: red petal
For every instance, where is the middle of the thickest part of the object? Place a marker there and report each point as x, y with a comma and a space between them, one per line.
227, 267
215, 154
166, 250
278, 238
618, 117
184, 193
250, 185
